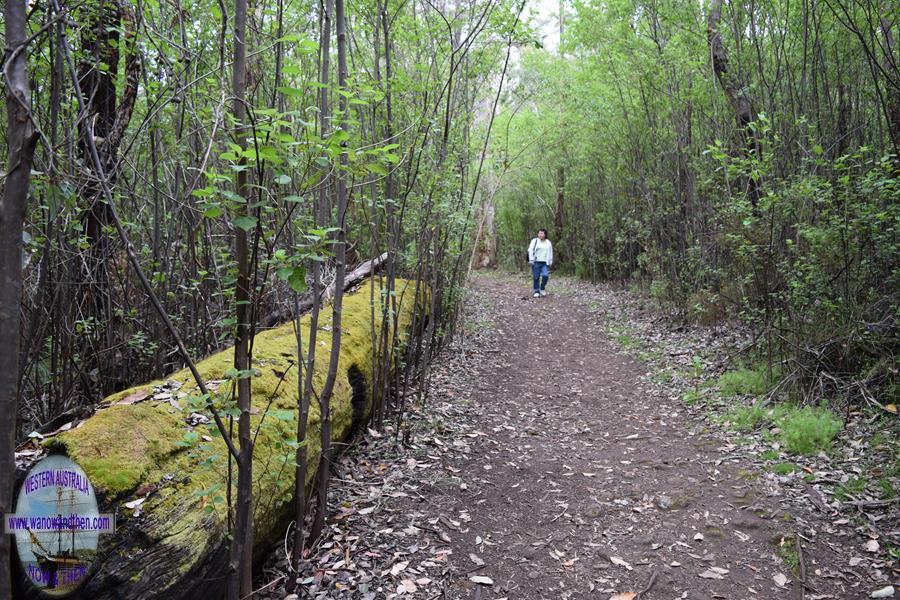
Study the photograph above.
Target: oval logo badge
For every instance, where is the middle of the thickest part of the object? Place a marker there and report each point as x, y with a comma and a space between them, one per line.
57, 525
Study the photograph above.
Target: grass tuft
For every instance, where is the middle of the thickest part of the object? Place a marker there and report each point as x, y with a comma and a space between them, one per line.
809, 430
743, 382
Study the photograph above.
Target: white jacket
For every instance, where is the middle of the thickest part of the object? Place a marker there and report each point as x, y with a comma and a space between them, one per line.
540, 251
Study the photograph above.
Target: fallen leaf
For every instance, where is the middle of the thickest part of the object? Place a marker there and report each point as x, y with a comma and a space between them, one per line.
135, 397
891, 408
474, 558
616, 560
872, 546
780, 580
396, 569
407, 585
710, 574
885, 592
481, 579
623, 596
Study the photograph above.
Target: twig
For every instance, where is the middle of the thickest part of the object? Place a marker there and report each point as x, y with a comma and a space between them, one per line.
801, 562
865, 503
556, 518
268, 585
649, 585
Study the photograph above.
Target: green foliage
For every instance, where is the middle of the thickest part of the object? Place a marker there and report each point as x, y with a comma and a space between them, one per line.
784, 468
748, 418
692, 397
624, 146
743, 382
809, 430
805, 430
852, 487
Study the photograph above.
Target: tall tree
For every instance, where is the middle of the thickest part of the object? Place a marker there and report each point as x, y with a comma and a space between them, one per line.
240, 575
735, 90
340, 258
21, 138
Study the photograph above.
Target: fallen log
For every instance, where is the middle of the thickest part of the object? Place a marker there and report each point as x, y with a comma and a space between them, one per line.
351, 279
154, 444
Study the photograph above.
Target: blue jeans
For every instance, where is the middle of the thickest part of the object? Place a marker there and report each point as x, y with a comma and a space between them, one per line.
540, 273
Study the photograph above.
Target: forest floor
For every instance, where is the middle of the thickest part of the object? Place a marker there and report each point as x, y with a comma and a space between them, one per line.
552, 460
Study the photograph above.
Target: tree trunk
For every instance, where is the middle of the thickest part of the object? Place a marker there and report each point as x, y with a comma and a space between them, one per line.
21, 139
240, 581
892, 69
735, 90
106, 121
340, 258
558, 211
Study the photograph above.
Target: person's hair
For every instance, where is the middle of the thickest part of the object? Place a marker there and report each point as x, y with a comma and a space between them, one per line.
544, 230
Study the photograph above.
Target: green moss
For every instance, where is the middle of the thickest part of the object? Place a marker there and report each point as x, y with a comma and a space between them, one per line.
662, 377
746, 474
887, 489
120, 444
788, 552
627, 342
126, 447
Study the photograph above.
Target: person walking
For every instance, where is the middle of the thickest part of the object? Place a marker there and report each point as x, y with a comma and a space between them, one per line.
540, 255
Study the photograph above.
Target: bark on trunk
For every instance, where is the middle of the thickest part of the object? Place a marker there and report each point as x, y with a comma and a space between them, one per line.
240, 578
340, 258
21, 138
734, 89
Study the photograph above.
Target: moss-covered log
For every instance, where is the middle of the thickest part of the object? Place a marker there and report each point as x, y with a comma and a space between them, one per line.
155, 442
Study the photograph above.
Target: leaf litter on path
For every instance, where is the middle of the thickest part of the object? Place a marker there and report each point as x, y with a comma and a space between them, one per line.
564, 496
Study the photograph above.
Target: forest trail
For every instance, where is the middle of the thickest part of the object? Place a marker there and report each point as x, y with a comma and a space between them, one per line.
545, 464
585, 483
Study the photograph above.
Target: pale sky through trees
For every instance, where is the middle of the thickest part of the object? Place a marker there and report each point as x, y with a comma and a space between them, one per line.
544, 15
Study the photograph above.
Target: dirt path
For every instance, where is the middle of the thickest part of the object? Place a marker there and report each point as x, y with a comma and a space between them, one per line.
543, 464
585, 483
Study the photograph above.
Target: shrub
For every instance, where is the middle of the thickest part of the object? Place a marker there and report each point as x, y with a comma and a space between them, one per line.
747, 418
809, 430
743, 382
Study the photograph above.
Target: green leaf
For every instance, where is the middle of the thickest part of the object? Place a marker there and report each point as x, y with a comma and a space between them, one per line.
377, 169
246, 223
297, 279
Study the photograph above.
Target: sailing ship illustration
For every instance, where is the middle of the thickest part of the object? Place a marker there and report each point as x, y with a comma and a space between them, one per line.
61, 569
